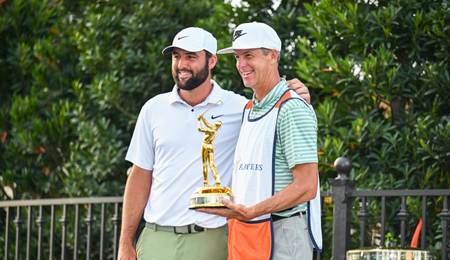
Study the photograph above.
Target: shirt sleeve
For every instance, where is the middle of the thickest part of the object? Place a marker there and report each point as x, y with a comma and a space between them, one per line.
297, 133
141, 150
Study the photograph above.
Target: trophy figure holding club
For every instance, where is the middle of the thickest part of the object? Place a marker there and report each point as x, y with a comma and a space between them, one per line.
209, 196
208, 149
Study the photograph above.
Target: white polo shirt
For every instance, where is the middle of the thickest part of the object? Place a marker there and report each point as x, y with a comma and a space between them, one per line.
166, 140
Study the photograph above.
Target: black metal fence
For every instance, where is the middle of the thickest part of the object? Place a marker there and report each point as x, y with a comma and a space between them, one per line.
108, 211
17, 208
342, 193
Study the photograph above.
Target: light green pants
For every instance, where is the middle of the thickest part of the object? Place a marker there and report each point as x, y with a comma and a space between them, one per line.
211, 244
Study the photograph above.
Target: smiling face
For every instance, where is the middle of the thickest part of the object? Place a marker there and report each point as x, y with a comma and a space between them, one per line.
189, 69
254, 67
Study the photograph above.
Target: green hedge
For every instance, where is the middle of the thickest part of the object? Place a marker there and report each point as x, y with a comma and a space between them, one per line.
380, 72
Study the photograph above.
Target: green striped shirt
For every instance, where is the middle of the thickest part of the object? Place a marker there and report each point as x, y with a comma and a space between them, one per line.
296, 137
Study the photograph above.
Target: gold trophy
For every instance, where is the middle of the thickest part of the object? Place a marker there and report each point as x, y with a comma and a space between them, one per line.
209, 196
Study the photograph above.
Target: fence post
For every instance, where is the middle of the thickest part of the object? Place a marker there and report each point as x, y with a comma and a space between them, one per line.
340, 186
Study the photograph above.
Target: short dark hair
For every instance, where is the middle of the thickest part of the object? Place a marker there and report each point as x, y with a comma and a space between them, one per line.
266, 51
208, 56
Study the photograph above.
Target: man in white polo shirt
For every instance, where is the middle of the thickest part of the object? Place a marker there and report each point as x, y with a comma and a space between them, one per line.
167, 164
276, 214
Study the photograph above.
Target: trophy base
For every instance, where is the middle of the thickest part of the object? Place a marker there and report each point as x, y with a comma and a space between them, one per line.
210, 197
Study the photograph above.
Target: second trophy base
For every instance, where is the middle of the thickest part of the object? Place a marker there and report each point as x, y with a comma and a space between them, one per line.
210, 197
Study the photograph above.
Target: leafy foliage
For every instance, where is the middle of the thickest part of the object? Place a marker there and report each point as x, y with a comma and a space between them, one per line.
381, 79
74, 75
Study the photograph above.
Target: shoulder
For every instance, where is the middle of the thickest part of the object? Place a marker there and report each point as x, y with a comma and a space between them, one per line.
232, 97
235, 98
153, 105
295, 104
158, 100
299, 109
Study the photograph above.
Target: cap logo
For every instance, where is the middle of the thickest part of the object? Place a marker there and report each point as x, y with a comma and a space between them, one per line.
182, 37
238, 34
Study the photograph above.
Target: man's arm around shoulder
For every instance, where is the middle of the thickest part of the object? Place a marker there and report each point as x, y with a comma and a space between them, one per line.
135, 198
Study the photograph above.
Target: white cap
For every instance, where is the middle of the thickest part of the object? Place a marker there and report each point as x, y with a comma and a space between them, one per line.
193, 39
253, 35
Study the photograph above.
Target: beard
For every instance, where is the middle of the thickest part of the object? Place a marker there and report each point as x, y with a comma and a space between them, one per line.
195, 81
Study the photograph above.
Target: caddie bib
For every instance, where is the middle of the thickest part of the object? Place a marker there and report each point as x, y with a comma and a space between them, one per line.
253, 182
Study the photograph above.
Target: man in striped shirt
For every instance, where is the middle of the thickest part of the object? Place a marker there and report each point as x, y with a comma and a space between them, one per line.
276, 213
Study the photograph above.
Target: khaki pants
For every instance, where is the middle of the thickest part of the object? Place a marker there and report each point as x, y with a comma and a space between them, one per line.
291, 239
211, 244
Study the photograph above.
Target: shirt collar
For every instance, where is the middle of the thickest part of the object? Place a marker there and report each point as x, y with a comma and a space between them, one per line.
274, 94
214, 96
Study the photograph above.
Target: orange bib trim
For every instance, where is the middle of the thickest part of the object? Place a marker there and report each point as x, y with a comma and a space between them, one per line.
250, 240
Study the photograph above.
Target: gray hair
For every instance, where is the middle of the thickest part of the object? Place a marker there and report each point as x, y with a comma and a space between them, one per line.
266, 51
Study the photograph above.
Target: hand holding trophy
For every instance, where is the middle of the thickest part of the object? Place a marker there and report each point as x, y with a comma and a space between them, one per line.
209, 196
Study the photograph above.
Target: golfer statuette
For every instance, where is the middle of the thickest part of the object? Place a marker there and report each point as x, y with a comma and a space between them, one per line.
209, 196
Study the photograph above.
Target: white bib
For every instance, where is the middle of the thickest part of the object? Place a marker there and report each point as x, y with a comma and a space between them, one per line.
254, 172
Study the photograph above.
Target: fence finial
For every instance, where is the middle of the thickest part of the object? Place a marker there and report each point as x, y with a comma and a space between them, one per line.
343, 166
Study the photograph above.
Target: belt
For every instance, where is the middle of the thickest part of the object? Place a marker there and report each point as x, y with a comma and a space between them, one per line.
188, 229
276, 217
